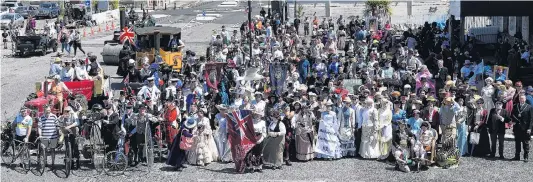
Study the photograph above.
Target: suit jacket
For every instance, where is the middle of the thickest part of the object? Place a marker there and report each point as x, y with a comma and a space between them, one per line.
522, 117
496, 126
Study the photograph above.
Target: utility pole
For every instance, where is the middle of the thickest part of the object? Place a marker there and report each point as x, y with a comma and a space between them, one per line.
328, 8
250, 24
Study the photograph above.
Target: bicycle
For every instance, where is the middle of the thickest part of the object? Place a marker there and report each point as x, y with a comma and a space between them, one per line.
23, 149
148, 145
95, 150
67, 160
117, 160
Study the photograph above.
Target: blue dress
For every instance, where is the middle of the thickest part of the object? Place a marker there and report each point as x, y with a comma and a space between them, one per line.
304, 66
415, 125
402, 115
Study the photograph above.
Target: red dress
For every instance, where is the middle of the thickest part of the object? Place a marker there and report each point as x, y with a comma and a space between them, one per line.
171, 114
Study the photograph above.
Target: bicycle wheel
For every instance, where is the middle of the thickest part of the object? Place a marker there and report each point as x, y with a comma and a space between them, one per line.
24, 156
98, 148
115, 163
41, 158
67, 160
8, 152
149, 145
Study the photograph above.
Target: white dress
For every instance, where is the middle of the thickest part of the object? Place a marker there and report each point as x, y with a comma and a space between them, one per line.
487, 93
204, 150
221, 139
369, 137
385, 128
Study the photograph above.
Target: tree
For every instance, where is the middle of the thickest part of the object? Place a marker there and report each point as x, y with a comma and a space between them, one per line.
378, 8
114, 4
300, 12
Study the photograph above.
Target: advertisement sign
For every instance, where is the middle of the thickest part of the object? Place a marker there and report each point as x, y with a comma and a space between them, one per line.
81, 87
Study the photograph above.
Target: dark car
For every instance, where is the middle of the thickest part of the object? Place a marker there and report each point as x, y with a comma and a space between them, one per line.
48, 10
35, 44
27, 11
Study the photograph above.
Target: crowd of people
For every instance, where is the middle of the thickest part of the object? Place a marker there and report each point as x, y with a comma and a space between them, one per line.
334, 90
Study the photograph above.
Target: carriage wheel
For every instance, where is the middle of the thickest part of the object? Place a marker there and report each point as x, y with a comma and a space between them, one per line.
98, 148
8, 152
149, 145
115, 163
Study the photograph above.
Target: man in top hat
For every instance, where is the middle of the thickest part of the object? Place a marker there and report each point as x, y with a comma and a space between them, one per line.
149, 91
498, 116
139, 122
521, 116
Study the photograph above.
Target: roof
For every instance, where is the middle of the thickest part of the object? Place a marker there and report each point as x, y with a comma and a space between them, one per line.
162, 30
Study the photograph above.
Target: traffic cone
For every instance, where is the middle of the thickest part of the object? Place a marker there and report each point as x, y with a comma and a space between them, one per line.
107, 26
99, 29
112, 25
84, 34
92, 31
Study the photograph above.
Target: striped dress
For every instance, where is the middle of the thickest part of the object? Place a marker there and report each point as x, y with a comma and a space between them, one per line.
48, 124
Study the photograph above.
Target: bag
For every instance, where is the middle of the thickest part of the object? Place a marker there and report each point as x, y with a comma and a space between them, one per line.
63, 38
474, 138
186, 142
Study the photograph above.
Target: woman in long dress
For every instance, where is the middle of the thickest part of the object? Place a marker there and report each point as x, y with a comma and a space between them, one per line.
487, 93
304, 134
385, 128
221, 135
478, 124
177, 156
204, 148
346, 130
275, 142
328, 144
369, 137
462, 129
508, 95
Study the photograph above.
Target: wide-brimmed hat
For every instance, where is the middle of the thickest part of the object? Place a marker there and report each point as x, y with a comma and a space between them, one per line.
431, 99
190, 123
328, 102
347, 100
312, 94
221, 107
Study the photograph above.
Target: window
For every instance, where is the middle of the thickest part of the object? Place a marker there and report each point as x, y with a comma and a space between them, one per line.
7, 17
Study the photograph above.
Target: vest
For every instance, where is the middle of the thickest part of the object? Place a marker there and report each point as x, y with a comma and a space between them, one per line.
94, 69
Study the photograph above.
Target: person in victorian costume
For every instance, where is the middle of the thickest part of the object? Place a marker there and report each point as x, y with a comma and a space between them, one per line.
304, 132
221, 134
369, 148
384, 127
498, 117
462, 127
477, 124
170, 114
254, 158
328, 144
347, 124
177, 156
487, 92
522, 115
414, 122
138, 122
403, 141
204, 149
431, 113
448, 119
274, 144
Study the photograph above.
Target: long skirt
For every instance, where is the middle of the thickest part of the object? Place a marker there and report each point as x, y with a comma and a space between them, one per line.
254, 158
304, 146
483, 148
176, 156
223, 146
509, 108
273, 151
385, 141
462, 133
204, 150
369, 143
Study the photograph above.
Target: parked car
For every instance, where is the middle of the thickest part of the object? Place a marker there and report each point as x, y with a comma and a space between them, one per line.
48, 10
5, 19
27, 11
10, 6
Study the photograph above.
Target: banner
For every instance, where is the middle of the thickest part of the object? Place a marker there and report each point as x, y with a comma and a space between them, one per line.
241, 136
213, 74
278, 75
81, 87
328, 142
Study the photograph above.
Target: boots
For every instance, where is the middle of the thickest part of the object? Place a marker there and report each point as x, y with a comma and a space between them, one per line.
526, 157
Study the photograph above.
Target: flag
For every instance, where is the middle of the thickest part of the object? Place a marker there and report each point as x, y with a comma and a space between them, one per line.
241, 136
